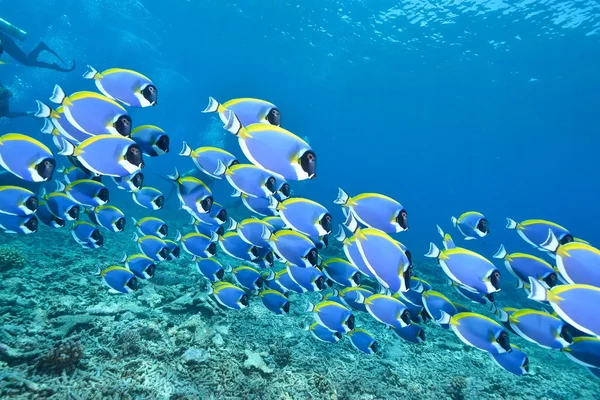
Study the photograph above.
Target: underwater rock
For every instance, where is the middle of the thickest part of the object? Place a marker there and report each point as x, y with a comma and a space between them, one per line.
196, 356
14, 357
72, 324
254, 361
218, 340
11, 258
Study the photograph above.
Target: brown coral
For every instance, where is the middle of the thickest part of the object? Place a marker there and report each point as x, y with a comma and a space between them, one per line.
63, 357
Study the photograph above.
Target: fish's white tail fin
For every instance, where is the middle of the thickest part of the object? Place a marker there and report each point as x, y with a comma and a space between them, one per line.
209, 288
433, 252
270, 276
266, 233
360, 298
310, 307
178, 237
342, 197
232, 225
193, 220
551, 244
60, 187
233, 124
273, 203
48, 127
306, 327
90, 73
236, 193
58, 95
440, 231
213, 106
444, 319
65, 148
351, 223
43, 110
511, 223
135, 237
501, 253
520, 284
134, 221
124, 258
454, 221
537, 291
214, 237
340, 236
175, 176
186, 151
221, 168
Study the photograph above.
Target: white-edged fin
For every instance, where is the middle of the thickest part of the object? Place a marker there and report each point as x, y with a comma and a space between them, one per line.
306, 327
134, 221
420, 288
342, 197
273, 203
501, 314
186, 151
213, 106
351, 223
228, 268
266, 233
551, 244
360, 298
340, 236
59, 186
124, 258
440, 231
135, 237
310, 307
178, 237
209, 288
454, 221
444, 319
511, 224
501, 253
114, 291
520, 284
232, 225
214, 237
90, 72
48, 127
43, 110
175, 176
96, 271
236, 193
271, 276
65, 148
58, 95
537, 291
221, 168
433, 252
193, 220
233, 124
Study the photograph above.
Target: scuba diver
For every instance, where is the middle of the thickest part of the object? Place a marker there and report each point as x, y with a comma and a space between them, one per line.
8, 45
5, 96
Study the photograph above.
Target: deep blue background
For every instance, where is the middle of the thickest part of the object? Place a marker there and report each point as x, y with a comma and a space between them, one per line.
437, 116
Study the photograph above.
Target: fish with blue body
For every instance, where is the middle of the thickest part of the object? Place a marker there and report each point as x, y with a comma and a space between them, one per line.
472, 225
248, 111
148, 197
213, 161
18, 201
305, 216
153, 141
108, 217
26, 158
127, 86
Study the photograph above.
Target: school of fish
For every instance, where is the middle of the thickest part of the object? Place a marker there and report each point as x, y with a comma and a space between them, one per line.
280, 243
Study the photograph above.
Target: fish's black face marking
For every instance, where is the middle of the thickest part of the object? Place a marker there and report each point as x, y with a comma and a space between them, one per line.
164, 253
259, 282
163, 230
132, 283
551, 280
123, 125
495, 279
504, 341
32, 203
320, 283
274, 117
96, 235
329, 282
46, 168
374, 347
270, 184
207, 203
59, 222
212, 249
220, 274
337, 335
120, 224
269, 258
220, 231
159, 202
402, 219
326, 240
73, 212
483, 226
285, 190
138, 180
222, 215
176, 252
568, 238
526, 364
327, 223
308, 162
151, 270
103, 195
32, 224
286, 307
163, 143
406, 276
565, 333
405, 317
490, 297
244, 300
313, 256
409, 257
425, 315
134, 155
356, 278
421, 335
150, 93
254, 251
234, 162
100, 241
350, 322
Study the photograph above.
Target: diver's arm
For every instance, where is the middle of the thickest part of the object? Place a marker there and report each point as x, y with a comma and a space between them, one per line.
16, 114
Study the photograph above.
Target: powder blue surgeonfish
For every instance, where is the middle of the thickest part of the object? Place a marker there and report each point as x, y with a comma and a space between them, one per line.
584, 351
15, 200
515, 361
26, 158
311, 279
305, 216
264, 206
478, 331
130, 183
333, 316
232, 244
572, 304
541, 328
283, 282
86, 192
228, 295
109, 155
210, 268
436, 304
151, 226
198, 245
58, 126
87, 234
468, 294
472, 225
251, 230
60, 205
48, 218
523, 266
142, 266
373, 210
119, 279
210, 160
194, 195
152, 246
341, 272
363, 341
467, 268
129, 87
353, 296
293, 247
387, 310
91, 112
248, 111
352, 252
535, 231
323, 333
19, 224
108, 217
274, 149
275, 301
411, 333
577, 262
251, 180
153, 141
73, 174
248, 278
149, 197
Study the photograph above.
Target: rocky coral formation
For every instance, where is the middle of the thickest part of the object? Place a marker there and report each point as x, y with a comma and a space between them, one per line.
11, 258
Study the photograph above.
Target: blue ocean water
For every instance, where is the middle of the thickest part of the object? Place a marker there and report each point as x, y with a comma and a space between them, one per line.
447, 106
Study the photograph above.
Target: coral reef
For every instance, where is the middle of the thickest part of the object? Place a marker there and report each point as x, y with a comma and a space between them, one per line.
63, 357
11, 258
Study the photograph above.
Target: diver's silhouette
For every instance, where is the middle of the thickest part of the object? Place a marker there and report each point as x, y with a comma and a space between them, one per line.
5, 96
8, 45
